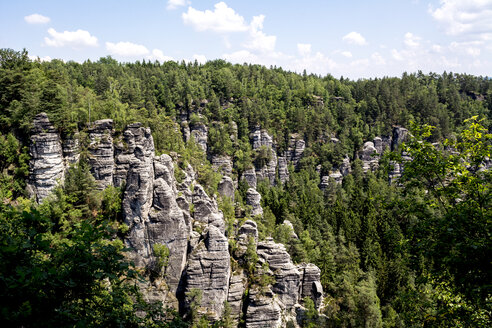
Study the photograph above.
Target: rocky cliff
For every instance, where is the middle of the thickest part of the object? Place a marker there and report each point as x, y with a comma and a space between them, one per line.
160, 212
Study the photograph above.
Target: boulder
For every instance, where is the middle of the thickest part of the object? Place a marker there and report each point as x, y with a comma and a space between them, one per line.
253, 199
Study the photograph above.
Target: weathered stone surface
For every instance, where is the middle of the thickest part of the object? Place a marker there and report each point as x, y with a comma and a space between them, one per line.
283, 169
264, 171
369, 156
287, 277
335, 175
46, 167
345, 167
248, 230
310, 283
137, 198
185, 130
237, 286
101, 152
208, 269
263, 310
71, 149
249, 176
399, 135
222, 164
199, 132
167, 224
295, 150
253, 199
206, 209
226, 187
135, 144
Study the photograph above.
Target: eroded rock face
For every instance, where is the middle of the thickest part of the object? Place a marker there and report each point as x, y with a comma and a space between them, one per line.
287, 277
137, 198
101, 152
399, 135
206, 209
249, 176
226, 187
263, 310
222, 164
310, 285
208, 269
237, 286
283, 169
46, 167
253, 199
167, 224
71, 150
199, 132
264, 170
369, 156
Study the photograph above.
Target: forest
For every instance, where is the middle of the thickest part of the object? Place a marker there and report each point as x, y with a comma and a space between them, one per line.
415, 252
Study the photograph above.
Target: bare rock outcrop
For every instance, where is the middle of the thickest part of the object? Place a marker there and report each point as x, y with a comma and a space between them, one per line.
253, 199
222, 164
263, 310
199, 132
46, 167
205, 209
138, 159
249, 176
208, 269
287, 276
310, 285
266, 163
101, 152
226, 187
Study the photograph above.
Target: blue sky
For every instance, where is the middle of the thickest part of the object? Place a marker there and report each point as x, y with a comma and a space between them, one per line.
356, 39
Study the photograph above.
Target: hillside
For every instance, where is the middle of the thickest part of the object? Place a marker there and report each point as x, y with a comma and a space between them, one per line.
242, 195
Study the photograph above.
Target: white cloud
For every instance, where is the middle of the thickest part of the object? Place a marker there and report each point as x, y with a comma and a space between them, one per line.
347, 54
304, 49
377, 59
412, 40
258, 39
173, 4
79, 38
157, 54
127, 49
396, 54
459, 18
471, 48
222, 20
200, 59
355, 38
37, 19
41, 59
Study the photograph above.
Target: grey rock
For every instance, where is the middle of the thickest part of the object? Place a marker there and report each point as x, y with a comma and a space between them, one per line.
101, 152
253, 199
287, 277
369, 156
399, 135
237, 286
199, 132
167, 224
345, 167
310, 283
185, 130
264, 171
337, 176
263, 310
208, 269
46, 167
222, 164
138, 196
226, 187
71, 149
249, 176
283, 170
206, 209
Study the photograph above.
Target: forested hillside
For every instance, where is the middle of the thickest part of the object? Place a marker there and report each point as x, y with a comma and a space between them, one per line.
394, 248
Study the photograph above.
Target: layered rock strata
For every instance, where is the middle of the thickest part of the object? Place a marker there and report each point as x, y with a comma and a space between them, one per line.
46, 167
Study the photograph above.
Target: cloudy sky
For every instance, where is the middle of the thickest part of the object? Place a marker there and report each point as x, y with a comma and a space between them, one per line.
356, 39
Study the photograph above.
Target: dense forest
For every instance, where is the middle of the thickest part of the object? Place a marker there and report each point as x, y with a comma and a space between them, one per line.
415, 252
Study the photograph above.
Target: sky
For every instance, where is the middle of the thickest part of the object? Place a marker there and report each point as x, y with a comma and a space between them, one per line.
351, 38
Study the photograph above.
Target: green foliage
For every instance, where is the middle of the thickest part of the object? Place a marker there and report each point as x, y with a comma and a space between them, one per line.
161, 253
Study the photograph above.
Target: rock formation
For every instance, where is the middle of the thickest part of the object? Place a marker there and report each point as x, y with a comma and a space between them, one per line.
101, 152
46, 168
